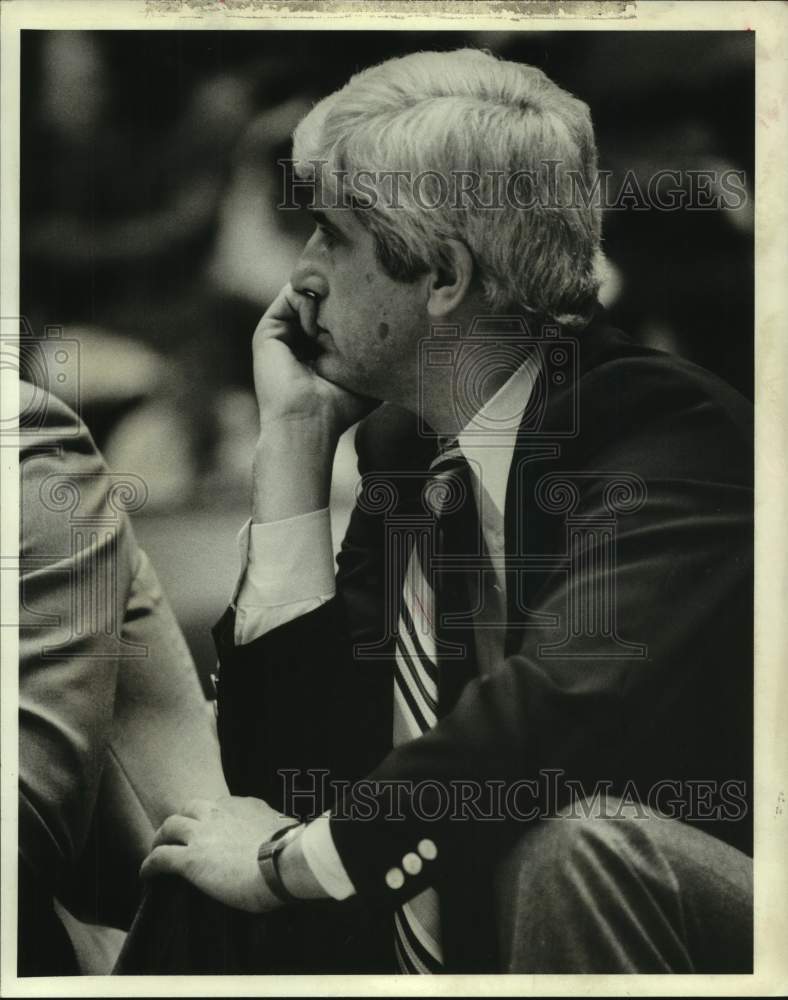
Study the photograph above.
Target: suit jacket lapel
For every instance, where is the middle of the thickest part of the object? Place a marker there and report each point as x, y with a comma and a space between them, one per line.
546, 443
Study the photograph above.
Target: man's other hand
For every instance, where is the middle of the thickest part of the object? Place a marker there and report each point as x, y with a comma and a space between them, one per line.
214, 846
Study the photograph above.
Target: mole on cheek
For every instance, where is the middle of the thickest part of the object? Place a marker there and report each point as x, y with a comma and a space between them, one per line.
383, 331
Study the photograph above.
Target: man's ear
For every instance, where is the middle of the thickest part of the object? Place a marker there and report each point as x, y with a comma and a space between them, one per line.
450, 285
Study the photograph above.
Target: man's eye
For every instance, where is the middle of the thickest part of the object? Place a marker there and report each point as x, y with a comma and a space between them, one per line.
327, 235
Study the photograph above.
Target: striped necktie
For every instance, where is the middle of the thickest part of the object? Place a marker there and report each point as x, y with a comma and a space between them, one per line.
417, 922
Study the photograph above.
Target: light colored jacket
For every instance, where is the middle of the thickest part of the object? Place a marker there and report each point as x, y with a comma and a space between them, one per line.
115, 731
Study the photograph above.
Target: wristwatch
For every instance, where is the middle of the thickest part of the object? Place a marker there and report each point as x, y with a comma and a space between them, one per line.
268, 862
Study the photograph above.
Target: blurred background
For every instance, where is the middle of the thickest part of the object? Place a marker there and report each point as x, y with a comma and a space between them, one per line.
150, 235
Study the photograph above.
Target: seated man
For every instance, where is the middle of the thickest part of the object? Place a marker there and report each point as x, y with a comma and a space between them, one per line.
514, 733
114, 730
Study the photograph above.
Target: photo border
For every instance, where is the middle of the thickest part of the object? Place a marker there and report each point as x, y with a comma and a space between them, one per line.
770, 23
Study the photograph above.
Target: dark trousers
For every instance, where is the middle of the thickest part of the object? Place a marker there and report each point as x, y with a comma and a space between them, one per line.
598, 894
43, 946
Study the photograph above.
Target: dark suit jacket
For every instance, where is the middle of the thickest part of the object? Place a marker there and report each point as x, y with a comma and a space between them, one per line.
674, 705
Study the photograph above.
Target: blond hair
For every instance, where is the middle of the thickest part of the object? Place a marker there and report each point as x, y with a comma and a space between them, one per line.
470, 112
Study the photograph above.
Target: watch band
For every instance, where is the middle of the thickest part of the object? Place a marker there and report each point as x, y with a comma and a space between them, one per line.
268, 863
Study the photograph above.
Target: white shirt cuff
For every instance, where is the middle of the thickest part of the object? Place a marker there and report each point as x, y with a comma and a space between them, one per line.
287, 570
324, 861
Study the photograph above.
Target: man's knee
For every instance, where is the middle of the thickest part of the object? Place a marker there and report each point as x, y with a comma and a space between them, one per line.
622, 886
552, 849
542, 883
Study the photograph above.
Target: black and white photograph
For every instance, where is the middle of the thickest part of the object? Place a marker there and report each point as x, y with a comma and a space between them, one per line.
388, 452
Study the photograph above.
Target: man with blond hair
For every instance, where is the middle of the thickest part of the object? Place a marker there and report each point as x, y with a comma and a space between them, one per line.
513, 733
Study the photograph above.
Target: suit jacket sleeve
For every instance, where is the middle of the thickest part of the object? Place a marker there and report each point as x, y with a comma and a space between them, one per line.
67, 672
678, 710
288, 702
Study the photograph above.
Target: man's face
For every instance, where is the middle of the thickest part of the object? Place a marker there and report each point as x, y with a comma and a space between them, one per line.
369, 324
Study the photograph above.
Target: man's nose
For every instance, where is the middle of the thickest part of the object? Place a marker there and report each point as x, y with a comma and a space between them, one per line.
307, 275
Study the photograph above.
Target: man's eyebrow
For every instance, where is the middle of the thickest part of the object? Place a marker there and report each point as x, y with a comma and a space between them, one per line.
322, 220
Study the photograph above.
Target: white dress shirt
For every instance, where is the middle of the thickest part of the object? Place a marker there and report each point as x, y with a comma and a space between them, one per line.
287, 568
